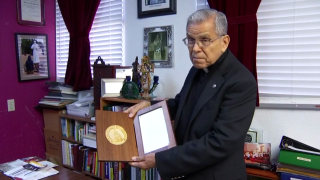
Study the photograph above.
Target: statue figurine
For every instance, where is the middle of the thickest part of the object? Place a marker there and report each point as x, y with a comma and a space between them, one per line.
135, 74
145, 69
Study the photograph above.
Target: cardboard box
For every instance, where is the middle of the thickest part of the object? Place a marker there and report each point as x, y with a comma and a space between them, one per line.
52, 119
53, 142
54, 159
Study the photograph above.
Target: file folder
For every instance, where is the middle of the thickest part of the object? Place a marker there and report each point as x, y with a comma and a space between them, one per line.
299, 154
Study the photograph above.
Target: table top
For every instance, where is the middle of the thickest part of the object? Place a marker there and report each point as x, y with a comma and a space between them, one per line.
262, 173
64, 174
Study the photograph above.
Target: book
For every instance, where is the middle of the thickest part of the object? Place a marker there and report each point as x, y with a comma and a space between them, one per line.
89, 140
30, 168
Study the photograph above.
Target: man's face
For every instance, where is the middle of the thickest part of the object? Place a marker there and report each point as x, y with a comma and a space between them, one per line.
203, 56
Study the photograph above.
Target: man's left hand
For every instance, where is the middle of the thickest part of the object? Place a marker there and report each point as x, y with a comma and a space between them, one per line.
146, 162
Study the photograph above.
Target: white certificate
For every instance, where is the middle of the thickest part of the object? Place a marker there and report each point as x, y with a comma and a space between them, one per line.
31, 10
153, 130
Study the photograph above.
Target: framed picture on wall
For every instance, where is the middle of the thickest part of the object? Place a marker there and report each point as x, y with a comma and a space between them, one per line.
32, 56
31, 12
158, 45
150, 8
123, 71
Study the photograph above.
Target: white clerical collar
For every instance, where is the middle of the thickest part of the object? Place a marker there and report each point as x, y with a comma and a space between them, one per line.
206, 70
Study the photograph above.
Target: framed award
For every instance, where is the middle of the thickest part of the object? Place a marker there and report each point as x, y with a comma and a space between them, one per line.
31, 12
119, 138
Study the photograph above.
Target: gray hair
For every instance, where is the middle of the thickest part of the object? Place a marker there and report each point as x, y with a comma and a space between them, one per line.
201, 15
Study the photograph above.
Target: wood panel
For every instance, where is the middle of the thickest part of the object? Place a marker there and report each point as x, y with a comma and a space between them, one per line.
262, 173
108, 151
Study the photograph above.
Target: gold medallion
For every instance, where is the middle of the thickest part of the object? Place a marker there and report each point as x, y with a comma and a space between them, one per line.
116, 135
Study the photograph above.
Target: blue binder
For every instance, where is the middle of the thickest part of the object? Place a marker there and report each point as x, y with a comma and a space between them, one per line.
289, 176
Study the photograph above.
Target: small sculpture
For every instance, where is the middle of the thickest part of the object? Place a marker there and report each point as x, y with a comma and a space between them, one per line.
145, 69
130, 89
135, 73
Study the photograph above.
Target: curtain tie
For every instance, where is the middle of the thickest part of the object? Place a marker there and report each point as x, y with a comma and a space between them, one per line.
79, 34
243, 19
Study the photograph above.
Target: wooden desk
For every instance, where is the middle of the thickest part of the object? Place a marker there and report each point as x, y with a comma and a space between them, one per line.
262, 174
64, 174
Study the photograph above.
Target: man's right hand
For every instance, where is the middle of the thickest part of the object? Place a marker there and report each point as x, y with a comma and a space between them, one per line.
134, 109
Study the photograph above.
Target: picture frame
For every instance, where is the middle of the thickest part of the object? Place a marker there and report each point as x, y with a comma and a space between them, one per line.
153, 124
31, 12
252, 136
151, 8
32, 56
123, 71
158, 45
111, 87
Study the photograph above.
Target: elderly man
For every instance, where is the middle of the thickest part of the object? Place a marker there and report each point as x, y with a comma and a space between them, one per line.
213, 110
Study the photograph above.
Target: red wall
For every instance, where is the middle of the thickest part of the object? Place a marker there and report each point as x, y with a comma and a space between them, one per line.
21, 131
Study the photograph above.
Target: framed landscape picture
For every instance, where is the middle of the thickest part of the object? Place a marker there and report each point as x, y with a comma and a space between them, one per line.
150, 8
158, 45
32, 56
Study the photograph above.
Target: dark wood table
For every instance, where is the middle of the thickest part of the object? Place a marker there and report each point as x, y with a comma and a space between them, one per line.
262, 174
64, 174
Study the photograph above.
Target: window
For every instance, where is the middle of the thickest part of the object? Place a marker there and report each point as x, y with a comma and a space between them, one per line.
106, 36
288, 51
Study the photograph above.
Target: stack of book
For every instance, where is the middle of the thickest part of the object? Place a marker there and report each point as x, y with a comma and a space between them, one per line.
59, 95
298, 160
90, 138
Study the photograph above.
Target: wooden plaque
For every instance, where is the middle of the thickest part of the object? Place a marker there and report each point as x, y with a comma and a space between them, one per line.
112, 124
119, 138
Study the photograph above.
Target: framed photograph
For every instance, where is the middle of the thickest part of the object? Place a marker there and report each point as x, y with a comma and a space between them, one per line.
158, 45
31, 12
251, 137
111, 87
32, 56
123, 71
150, 8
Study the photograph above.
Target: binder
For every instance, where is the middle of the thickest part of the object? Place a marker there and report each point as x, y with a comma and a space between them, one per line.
289, 176
286, 168
295, 153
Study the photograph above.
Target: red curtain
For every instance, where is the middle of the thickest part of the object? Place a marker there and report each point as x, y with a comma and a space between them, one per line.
78, 16
243, 29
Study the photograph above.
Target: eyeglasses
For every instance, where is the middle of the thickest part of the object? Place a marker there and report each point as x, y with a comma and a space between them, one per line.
201, 43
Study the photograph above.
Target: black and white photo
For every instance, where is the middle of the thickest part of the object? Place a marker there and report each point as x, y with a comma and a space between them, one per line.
151, 8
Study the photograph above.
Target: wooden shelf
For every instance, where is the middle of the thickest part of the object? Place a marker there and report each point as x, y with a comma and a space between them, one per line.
90, 174
83, 172
123, 100
262, 173
67, 166
71, 139
77, 118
